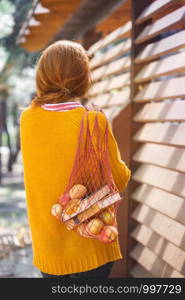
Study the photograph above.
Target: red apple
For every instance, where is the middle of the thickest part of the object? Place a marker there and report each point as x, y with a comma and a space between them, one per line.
108, 234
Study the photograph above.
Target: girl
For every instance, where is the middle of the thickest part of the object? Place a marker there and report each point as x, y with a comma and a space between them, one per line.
49, 129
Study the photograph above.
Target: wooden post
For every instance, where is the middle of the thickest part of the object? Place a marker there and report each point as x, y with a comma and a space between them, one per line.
1, 133
91, 37
121, 130
0, 156
4, 128
136, 9
17, 132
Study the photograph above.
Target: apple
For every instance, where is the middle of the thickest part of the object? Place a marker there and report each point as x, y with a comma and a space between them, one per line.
107, 216
69, 224
82, 230
77, 191
72, 206
56, 209
108, 234
94, 226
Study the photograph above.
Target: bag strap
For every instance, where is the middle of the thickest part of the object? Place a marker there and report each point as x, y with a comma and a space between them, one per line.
102, 139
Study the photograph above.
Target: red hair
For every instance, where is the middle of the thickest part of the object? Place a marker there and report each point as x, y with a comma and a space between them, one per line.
62, 73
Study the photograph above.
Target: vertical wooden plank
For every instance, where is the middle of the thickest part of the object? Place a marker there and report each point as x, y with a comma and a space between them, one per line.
137, 8
0, 156
2, 127
91, 37
122, 136
1, 132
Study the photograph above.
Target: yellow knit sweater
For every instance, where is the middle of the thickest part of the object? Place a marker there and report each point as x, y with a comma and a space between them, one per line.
48, 145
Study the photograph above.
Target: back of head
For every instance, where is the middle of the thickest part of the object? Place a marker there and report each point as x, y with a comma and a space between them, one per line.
62, 74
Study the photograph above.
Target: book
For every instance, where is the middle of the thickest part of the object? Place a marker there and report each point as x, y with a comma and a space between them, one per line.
94, 209
87, 202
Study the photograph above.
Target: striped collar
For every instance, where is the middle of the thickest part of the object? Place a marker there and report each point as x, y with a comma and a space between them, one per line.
62, 106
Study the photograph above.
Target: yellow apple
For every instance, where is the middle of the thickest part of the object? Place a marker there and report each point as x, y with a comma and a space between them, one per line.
77, 191
82, 230
94, 226
56, 209
72, 206
107, 216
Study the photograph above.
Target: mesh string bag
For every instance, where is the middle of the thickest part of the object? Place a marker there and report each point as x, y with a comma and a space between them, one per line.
90, 200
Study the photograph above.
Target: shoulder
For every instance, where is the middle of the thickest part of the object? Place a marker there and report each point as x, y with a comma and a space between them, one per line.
92, 115
26, 112
101, 120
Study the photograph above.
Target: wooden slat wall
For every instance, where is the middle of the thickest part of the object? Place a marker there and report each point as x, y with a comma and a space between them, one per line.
111, 91
111, 71
158, 234
139, 81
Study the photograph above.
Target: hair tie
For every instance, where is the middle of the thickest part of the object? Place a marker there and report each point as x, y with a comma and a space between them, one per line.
66, 91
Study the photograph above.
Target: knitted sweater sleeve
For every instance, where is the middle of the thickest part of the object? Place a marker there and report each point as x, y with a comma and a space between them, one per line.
121, 173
